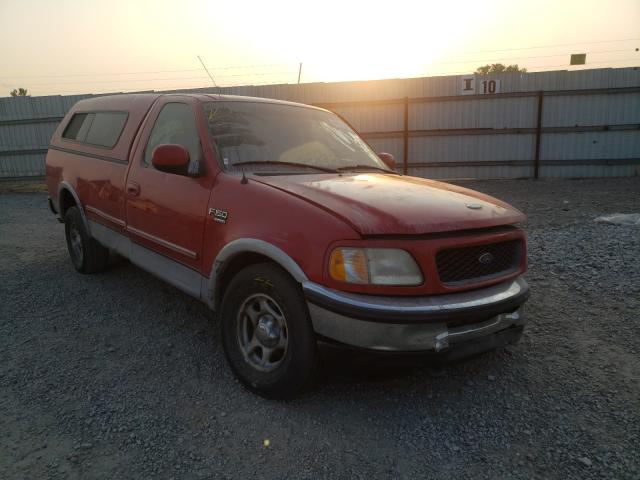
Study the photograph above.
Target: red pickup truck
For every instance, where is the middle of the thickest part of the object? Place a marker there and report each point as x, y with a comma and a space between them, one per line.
281, 218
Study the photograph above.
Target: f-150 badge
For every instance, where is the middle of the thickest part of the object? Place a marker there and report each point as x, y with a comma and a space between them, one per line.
219, 216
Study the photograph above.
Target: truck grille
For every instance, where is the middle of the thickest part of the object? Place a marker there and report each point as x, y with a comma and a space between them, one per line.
466, 264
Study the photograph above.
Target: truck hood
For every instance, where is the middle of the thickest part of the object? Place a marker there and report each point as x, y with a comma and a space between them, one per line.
382, 204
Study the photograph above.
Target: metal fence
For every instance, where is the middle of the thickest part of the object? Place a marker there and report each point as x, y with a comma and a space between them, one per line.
550, 124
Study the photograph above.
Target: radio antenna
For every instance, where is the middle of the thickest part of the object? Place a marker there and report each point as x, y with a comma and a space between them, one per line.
205, 69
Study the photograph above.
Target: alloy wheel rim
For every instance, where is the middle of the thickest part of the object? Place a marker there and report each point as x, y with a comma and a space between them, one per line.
76, 241
263, 336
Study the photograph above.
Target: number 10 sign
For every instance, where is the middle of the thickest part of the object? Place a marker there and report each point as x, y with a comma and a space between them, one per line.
472, 85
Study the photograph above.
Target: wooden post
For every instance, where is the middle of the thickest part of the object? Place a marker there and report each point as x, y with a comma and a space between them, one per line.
536, 155
405, 160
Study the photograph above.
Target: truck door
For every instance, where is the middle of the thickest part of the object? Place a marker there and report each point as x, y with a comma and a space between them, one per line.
166, 212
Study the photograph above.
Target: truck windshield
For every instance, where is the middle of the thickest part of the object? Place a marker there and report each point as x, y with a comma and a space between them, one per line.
267, 137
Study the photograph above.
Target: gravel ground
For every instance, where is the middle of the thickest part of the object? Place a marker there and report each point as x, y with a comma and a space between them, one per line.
118, 375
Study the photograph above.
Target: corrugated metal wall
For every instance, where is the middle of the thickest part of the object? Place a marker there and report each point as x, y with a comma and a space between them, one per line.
583, 133
26, 126
587, 154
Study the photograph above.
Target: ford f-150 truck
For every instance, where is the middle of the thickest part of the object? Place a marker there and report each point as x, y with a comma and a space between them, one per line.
281, 218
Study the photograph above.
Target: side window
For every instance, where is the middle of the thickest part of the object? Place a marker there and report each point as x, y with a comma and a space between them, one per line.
96, 128
106, 128
75, 125
175, 124
86, 125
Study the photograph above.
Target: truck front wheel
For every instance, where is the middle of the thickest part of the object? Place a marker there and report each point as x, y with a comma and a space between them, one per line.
266, 332
87, 255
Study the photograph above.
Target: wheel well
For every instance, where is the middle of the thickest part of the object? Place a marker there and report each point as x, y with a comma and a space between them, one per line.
66, 201
233, 266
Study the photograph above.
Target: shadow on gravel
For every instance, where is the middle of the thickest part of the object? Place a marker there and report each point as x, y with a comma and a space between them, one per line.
346, 366
341, 367
343, 370
350, 363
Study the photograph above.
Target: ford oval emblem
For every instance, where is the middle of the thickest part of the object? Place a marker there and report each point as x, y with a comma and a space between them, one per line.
486, 258
473, 206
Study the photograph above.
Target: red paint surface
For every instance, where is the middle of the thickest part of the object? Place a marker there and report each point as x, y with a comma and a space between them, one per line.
170, 156
381, 204
304, 215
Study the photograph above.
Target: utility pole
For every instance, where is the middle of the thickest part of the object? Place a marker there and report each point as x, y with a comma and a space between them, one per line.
205, 69
299, 72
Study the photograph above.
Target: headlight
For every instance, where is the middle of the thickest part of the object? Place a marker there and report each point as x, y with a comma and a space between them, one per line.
375, 266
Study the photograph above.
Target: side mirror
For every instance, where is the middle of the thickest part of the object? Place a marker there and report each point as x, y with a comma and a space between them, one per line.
388, 160
170, 158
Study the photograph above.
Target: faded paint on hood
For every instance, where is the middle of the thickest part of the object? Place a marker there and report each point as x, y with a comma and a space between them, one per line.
381, 204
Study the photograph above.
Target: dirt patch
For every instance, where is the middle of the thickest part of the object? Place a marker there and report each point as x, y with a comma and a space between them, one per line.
22, 185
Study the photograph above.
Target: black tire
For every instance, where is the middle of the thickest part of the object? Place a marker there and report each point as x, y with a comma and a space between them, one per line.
288, 369
87, 254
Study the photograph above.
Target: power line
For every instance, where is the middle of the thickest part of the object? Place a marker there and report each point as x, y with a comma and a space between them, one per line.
282, 72
279, 72
587, 65
107, 74
479, 60
282, 81
286, 81
535, 69
237, 67
118, 81
556, 45
249, 76
159, 79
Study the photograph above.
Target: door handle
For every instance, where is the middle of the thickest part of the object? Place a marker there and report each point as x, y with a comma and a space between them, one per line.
133, 189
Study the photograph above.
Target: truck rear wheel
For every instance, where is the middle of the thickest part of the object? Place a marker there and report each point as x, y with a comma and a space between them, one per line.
266, 332
87, 254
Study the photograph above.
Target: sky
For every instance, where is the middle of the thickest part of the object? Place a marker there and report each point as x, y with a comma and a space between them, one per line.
89, 46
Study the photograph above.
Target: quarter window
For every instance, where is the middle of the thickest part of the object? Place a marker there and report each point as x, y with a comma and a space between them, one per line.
106, 128
72, 130
176, 124
96, 128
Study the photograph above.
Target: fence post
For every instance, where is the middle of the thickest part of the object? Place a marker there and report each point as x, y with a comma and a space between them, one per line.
405, 137
536, 155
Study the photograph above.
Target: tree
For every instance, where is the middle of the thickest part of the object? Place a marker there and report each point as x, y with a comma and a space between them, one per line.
498, 68
18, 92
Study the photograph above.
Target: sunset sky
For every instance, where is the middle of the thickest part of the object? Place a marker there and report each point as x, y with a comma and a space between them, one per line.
90, 46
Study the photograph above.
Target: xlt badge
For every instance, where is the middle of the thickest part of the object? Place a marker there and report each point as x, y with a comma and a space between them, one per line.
219, 216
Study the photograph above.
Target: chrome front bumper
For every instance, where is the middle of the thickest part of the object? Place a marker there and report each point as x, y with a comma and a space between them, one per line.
415, 323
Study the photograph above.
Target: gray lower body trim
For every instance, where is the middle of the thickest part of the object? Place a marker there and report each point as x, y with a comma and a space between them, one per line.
414, 337
67, 186
172, 272
180, 276
210, 293
415, 323
111, 239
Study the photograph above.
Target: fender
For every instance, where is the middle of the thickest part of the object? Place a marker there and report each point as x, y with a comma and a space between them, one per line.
66, 186
237, 247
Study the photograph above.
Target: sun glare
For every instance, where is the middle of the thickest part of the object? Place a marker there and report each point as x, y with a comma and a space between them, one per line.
353, 40
152, 45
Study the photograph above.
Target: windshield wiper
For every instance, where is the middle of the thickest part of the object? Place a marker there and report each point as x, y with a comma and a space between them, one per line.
362, 167
293, 164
